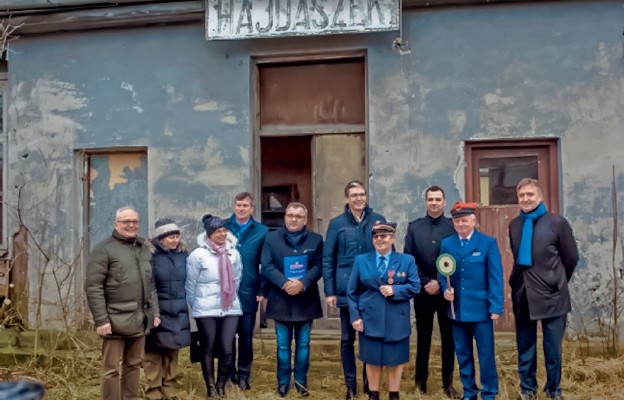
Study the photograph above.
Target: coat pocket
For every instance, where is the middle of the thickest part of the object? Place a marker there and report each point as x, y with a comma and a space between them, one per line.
127, 318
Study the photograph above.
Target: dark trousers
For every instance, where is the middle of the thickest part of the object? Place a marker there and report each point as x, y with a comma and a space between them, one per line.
215, 330
526, 336
425, 306
483, 334
347, 351
245, 330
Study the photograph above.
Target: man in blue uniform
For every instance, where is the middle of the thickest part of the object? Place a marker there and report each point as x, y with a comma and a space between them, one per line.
348, 235
422, 241
546, 255
476, 291
250, 236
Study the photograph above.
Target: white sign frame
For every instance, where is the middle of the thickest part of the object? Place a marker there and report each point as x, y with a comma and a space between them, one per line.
248, 19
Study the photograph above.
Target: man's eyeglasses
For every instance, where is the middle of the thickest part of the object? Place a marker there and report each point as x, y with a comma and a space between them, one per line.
295, 216
129, 222
382, 236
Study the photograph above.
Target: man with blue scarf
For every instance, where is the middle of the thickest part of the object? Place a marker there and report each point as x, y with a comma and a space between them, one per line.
545, 255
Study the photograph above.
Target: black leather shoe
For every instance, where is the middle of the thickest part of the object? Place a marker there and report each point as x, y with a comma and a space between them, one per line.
351, 394
421, 387
282, 390
451, 393
243, 384
302, 389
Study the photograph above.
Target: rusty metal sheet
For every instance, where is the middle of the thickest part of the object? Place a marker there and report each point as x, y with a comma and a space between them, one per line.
245, 19
312, 94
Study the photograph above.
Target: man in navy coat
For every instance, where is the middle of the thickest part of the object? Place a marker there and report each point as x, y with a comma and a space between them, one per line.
250, 236
348, 235
476, 293
291, 267
545, 255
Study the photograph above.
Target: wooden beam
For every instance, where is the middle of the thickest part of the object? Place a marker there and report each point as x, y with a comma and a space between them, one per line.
13, 5
117, 17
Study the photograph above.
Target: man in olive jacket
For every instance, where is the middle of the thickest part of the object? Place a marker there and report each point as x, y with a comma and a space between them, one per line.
123, 302
545, 255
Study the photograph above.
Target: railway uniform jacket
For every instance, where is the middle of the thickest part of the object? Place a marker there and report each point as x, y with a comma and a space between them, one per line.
345, 239
545, 284
423, 239
306, 305
119, 286
383, 317
478, 278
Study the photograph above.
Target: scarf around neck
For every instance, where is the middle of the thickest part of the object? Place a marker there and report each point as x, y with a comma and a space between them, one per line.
227, 287
525, 257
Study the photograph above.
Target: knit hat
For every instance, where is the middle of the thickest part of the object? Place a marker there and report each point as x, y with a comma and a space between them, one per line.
460, 209
165, 227
212, 223
384, 227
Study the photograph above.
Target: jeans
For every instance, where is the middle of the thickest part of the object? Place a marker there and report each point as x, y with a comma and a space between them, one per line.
284, 331
246, 324
526, 336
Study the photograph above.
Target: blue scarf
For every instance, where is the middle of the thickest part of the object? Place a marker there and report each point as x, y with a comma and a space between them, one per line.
528, 219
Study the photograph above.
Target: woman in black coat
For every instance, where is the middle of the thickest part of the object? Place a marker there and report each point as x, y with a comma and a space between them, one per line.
163, 343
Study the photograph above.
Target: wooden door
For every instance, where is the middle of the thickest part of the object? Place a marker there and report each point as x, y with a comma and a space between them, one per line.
336, 160
493, 171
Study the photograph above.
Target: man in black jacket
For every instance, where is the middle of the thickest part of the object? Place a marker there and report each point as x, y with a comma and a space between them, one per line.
545, 255
423, 242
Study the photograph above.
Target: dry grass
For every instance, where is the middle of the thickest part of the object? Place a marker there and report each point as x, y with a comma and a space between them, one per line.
74, 374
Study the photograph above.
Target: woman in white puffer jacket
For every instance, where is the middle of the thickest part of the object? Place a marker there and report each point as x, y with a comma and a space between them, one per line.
213, 275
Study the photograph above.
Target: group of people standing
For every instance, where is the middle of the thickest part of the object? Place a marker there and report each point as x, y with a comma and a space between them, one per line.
239, 263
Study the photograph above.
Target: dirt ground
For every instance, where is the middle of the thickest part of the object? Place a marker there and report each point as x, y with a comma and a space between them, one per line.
74, 374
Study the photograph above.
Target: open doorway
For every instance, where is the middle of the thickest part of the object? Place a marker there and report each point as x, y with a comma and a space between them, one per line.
310, 136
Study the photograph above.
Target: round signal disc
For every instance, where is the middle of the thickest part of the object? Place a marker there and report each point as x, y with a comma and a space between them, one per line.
446, 264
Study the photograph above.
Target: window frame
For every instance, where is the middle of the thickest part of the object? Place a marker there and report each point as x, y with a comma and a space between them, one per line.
475, 150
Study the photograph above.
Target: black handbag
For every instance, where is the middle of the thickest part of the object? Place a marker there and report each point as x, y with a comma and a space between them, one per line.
197, 347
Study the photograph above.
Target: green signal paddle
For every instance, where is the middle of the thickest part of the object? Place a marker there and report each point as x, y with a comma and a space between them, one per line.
446, 265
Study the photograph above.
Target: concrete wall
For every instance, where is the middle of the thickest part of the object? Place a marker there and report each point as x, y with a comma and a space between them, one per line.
487, 72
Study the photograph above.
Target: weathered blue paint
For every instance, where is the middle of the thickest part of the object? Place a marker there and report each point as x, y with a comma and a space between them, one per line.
468, 73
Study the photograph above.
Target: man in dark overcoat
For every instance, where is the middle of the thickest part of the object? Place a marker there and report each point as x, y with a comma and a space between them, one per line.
545, 255
291, 266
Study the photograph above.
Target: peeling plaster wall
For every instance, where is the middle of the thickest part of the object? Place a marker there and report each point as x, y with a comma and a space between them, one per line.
540, 70
487, 72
